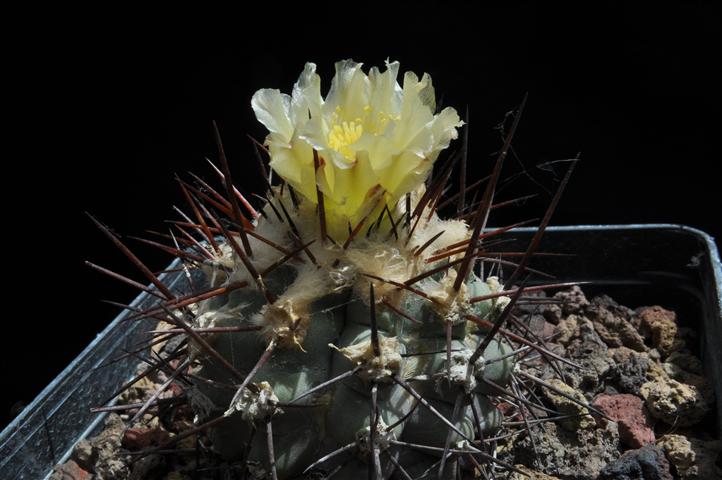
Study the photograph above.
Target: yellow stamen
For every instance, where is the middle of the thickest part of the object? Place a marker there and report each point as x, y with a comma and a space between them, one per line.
343, 135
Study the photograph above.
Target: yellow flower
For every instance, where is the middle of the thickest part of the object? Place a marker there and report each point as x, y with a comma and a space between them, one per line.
375, 139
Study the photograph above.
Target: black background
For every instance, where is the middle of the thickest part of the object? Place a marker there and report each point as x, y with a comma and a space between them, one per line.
106, 106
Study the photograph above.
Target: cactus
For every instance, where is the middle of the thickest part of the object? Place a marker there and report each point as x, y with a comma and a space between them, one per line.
343, 326
343, 318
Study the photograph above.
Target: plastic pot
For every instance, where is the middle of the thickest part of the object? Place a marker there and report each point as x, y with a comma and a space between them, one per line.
672, 265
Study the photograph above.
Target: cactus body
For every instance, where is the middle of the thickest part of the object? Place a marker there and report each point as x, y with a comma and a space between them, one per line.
322, 327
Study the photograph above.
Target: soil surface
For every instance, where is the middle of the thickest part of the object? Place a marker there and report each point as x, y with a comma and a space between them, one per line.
649, 417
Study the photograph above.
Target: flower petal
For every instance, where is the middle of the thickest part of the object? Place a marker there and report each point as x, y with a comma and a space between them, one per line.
306, 98
272, 109
349, 92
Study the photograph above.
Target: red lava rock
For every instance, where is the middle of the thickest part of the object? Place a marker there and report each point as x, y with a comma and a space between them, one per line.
70, 471
572, 300
505, 408
140, 438
633, 420
175, 389
661, 326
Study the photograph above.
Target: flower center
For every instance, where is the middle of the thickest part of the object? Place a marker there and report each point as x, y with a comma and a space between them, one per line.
343, 135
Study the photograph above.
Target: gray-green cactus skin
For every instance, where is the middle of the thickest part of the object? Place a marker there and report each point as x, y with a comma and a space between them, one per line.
307, 429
